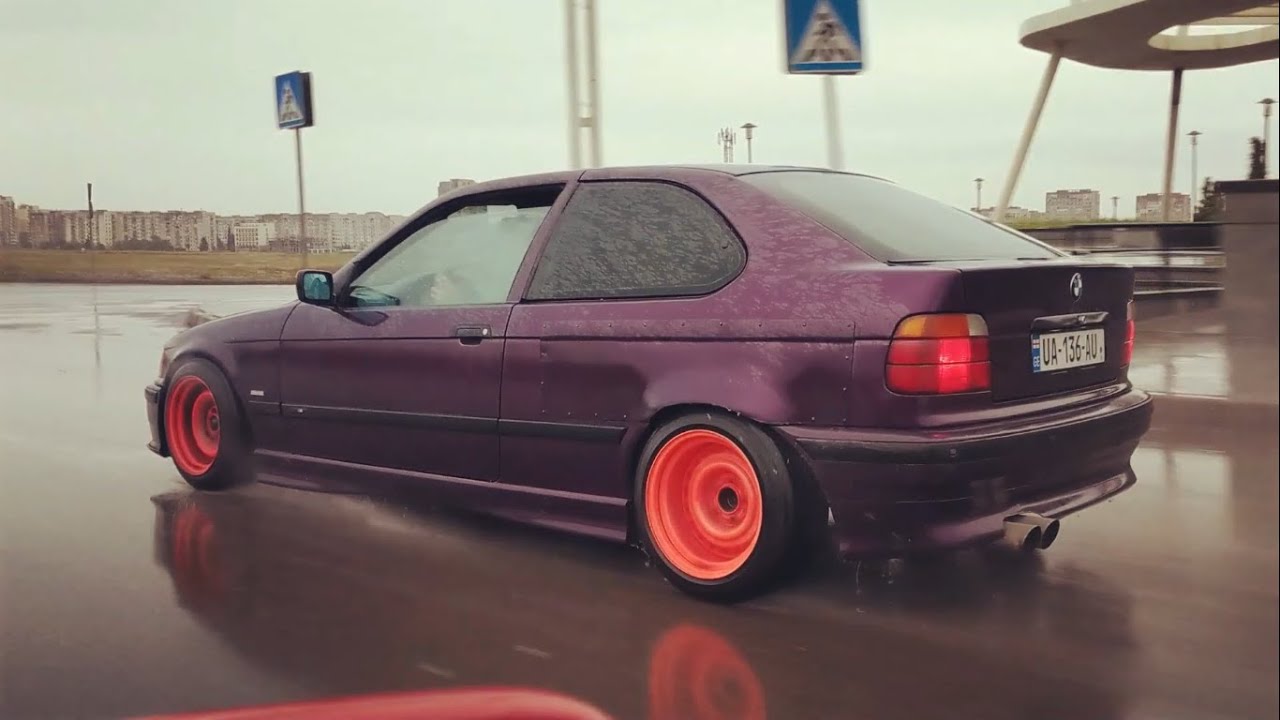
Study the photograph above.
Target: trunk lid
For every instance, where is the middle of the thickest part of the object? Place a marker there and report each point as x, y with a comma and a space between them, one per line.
1022, 300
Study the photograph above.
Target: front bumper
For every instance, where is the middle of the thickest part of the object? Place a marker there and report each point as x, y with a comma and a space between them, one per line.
897, 492
154, 394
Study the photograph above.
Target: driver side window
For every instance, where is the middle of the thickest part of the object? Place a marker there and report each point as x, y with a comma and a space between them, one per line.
468, 258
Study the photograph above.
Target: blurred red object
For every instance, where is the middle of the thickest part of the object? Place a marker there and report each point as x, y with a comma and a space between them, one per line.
480, 703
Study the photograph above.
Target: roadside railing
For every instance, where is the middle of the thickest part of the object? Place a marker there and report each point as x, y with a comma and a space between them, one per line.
1156, 271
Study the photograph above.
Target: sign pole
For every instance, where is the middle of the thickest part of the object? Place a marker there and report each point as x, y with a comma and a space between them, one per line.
302, 203
831, 109
824, 37
294, 111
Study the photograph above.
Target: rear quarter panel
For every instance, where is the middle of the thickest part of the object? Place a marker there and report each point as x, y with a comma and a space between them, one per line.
775, 345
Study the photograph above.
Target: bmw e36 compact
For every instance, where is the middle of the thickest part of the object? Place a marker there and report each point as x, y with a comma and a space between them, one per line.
721, 365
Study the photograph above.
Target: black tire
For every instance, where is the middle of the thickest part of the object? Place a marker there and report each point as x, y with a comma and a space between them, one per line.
764, 567
232, 464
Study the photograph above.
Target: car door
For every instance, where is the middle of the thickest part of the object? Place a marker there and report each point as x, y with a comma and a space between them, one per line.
614, 314
404, 371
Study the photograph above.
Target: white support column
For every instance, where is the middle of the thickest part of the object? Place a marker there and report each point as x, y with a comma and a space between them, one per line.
1170, 145
592, 119
574, 117
831, 111
582, 116
1028, 132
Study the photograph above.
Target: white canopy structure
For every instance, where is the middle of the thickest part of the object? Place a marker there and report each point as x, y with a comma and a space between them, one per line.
1172, 35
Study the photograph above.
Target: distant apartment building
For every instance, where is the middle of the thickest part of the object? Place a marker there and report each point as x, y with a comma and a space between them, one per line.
1072, 205
8, 221
254, 236
77, 229
447, 186
35, 223
1150, 207
196, 230
222, 228
353, 231
181, 229
1013, 214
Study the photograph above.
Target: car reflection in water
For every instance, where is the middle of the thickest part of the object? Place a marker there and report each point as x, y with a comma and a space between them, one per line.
346, 597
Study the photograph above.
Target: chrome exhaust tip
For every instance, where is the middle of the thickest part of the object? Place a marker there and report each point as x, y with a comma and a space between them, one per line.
1022, 535
1048, 527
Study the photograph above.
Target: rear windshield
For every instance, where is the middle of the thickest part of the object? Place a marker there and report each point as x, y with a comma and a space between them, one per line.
893, 224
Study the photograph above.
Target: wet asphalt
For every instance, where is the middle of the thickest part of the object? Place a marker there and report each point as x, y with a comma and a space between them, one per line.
123, 593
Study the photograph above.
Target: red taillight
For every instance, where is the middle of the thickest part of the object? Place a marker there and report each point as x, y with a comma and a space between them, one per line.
1126, 354
939, 354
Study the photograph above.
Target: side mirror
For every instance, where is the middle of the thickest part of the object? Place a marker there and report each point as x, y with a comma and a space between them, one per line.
315, 287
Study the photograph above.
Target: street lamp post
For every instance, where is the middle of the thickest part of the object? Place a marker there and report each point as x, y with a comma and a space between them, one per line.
1266, 104
749, 128
977, 207
1195, 178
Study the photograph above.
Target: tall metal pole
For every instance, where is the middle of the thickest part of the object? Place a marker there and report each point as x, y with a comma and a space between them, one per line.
302, 203
831, 110
1028, 132
89, 190
571, 77
1195, 175
1266, 132
93, 277
1115, 207
1170, 145
593, 83
978, 205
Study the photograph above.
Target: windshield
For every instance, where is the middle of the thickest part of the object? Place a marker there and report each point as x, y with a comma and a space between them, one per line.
893, 224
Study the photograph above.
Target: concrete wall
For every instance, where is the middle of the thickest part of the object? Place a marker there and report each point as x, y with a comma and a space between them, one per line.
1250, 240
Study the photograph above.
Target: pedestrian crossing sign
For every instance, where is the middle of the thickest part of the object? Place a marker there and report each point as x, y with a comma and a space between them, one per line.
823, 36
293, 101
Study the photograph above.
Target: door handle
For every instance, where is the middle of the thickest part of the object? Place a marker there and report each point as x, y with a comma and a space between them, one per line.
471, 334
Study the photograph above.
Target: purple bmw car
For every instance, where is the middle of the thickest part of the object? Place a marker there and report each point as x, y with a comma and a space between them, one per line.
723, 365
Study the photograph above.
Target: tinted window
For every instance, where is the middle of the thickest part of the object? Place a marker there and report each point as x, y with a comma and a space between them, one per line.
894, 224
636, 239
468, 258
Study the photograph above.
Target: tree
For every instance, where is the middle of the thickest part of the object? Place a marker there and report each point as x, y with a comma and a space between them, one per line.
204, 244
1210, 202
231, 240
1257, 159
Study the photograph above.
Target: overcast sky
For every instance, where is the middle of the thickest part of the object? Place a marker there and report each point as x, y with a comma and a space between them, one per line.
168, 105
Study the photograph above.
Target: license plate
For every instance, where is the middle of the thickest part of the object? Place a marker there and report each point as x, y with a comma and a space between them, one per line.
1064, 350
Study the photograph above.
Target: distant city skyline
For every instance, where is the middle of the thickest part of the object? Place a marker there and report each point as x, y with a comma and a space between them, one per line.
185, 229
164, 104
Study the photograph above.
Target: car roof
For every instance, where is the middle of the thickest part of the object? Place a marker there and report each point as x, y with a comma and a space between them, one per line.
673, 170
619, 172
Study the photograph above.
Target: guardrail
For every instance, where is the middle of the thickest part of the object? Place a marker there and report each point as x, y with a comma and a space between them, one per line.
1168, 281
1181, 269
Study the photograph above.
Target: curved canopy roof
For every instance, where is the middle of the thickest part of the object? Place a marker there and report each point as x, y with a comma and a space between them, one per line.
1158, 34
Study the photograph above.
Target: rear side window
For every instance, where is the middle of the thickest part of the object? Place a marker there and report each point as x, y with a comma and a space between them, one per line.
636, 239
893, 224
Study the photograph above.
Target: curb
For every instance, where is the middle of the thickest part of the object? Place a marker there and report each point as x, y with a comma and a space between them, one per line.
1209, 411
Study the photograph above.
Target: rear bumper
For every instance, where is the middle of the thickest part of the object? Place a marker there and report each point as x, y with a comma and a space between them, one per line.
893, 492
154, 394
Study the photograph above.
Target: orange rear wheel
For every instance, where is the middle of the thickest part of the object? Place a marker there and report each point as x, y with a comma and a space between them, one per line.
704, 504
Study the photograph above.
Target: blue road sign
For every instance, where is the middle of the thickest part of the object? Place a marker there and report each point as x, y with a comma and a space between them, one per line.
823, 37
293, 101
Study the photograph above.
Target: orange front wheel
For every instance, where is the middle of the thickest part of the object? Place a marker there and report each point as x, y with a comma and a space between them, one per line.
204, 431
